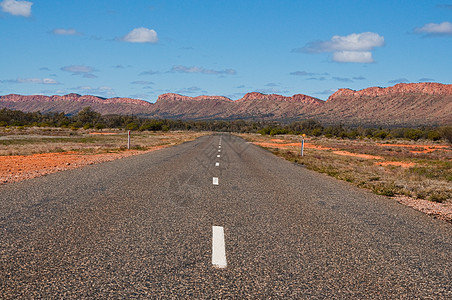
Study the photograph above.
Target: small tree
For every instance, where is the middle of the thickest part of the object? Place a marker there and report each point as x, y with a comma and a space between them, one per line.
446, 133
132, 126
87, 115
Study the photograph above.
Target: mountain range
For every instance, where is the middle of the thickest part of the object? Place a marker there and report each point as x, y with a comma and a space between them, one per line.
413, 104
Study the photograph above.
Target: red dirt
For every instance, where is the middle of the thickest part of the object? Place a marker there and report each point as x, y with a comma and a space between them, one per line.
290, 145
104, 133
359, 155
396, 163
426, 148
21, 167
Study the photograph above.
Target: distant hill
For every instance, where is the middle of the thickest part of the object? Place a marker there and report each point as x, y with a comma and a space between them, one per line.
73, 103
401, 105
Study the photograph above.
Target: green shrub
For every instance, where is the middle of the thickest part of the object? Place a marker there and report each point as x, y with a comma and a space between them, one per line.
265, 131
380, 134
385, 189
437, 197
413, 134
316, 132
100, 126
132, 126
446, 133
434, 135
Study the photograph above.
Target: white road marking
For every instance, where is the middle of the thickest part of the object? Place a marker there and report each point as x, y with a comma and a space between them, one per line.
215, 180
218, 155
217, 164
218, 247
219, 150
219, 146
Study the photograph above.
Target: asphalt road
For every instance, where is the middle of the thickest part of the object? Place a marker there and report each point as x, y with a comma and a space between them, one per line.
141, 227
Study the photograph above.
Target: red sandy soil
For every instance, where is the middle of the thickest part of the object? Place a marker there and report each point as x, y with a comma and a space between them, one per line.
425, 148
396, 163
104, 133
312, 146
21, 167
359, 155
289, 145
282, 145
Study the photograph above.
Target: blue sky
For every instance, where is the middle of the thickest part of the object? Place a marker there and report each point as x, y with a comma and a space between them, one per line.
142, 49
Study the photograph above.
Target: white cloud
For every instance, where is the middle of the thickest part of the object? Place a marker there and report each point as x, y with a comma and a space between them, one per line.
444, 28
77, 69
62, 31
144, 82
271, 91
342, 79
17, 8
424, 79
353, 56
150, 72
326, 92
34, 80
190, 90
140, 96
141, 35
398, 80
102, 90
184, 69
85, 71
356, 42
304, 73
354, 47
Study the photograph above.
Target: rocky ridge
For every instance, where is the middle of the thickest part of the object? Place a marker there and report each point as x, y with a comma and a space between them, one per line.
428, 88
399, 105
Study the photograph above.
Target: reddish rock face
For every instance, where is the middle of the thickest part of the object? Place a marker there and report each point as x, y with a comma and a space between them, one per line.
73, 103
300, 98
429, 88
71, 97
177, 97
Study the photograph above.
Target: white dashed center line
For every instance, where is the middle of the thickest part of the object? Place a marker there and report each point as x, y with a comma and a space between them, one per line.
218, 247
218, 155
215, 181
219, 150
217, 164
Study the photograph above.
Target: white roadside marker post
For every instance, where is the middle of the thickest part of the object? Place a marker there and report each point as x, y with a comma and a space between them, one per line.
302, 144
128, 140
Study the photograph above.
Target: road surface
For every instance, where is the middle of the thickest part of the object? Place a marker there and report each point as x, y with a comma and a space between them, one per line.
214, 218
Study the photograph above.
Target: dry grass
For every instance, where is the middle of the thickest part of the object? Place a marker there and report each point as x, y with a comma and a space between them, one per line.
54, 140
417, 170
